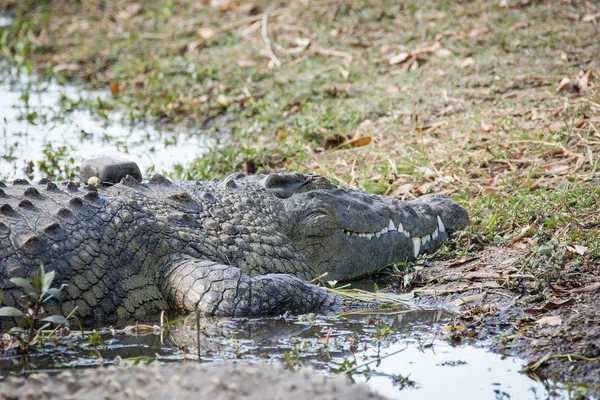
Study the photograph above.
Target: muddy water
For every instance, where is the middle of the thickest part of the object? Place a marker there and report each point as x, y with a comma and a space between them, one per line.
401, 356
50, 124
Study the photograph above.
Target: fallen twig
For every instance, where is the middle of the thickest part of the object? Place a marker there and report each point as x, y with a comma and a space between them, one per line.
265, 36
534, 365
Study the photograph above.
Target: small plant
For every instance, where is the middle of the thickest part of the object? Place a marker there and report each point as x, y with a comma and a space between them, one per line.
37, 292
57, 162
345, 366
403, 382
383, 332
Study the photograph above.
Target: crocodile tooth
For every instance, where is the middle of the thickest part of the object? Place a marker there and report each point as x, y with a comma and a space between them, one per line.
391, 226
416, 246
427, 238
441, 224
378, 235
434, 235
423, 240
400, 227
369, 235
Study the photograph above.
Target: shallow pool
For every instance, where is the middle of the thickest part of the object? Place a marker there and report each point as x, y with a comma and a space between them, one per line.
49, 126
402, 355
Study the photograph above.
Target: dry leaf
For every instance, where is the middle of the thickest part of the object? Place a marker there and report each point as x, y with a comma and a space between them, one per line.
519, 245
206, 33
549, 305
556, 169
191, 47
488, 127
427, 49
427, 172
493, 190
520, 236
359, 142
431, 128
581, 250
467, 299
401, 190
584, 78
115, 87
564, 83
466, 62
412, 57
424, 188
589, 288
551, 320
443, 53
397, 59
223, 100
517, 26
245, 63
364, 125
130, 10
473, 33
200, 100
66, 67
461, 261
590, 17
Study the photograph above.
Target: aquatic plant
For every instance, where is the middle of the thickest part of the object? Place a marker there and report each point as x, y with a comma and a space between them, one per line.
37, 292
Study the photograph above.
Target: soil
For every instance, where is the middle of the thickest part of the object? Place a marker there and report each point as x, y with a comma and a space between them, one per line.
184, 381
556, 329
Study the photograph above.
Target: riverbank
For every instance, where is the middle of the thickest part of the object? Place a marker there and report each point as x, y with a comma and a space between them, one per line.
496, 104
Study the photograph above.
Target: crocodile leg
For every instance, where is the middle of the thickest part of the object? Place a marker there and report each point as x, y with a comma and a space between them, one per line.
211, 288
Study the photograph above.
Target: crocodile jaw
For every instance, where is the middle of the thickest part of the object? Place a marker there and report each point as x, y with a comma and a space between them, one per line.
419, 244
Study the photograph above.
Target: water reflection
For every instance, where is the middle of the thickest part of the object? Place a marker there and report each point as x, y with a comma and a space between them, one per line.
46, 126
400, 355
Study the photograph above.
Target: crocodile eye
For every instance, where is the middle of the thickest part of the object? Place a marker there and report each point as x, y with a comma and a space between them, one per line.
318, 217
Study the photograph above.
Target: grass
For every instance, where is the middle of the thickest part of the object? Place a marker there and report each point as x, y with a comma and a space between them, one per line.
396, 98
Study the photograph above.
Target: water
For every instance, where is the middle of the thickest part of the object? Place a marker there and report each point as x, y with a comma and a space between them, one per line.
5, 18
34, 116
401, 356
455, 372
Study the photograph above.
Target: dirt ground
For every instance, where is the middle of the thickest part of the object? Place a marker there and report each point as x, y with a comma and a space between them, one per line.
559, 336
185, 381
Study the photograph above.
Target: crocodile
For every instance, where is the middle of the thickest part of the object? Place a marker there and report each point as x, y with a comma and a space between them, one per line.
244, 246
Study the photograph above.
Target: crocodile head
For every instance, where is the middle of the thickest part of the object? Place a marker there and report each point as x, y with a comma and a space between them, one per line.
348, 233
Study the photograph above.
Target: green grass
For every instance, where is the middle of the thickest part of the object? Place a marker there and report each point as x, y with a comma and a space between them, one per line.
481, 120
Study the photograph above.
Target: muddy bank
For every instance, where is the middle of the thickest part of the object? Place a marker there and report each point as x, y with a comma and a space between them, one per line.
185, 381
554, 326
